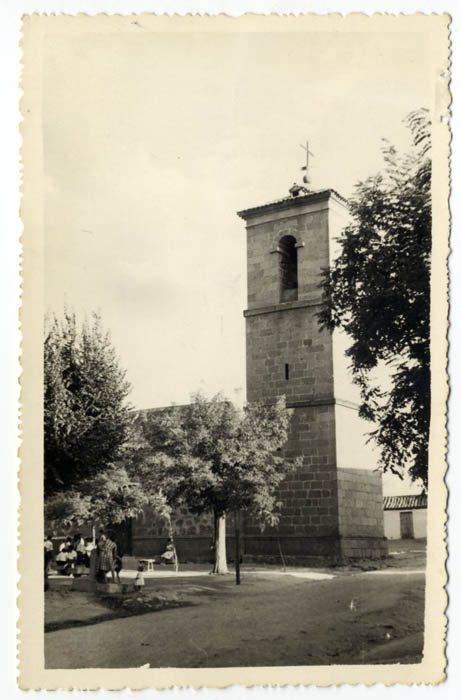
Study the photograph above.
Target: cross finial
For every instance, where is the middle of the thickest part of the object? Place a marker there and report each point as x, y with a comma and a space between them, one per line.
296, 190
306, 178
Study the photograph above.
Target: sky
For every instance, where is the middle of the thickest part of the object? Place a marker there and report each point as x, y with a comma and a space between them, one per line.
152, 143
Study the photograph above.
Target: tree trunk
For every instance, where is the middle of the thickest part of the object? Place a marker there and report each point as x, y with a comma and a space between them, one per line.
171, 536
237, 548
281, 553
220, 562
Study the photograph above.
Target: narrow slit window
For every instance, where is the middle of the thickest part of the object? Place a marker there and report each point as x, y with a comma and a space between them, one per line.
287, 371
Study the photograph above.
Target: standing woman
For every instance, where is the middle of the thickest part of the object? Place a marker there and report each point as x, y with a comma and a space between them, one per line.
106, 548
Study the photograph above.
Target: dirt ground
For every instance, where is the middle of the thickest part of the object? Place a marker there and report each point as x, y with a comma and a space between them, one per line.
272, 619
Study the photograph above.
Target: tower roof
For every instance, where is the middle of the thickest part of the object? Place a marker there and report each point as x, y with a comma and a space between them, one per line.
287, 202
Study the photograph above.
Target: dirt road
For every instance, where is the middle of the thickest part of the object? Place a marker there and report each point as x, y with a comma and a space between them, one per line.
267, 621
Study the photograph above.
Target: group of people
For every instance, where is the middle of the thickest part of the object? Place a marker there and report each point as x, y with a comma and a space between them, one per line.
78, 555
73, 556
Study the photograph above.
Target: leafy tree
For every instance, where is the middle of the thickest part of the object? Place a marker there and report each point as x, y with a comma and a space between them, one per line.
86, 418
213, 457
87, 429
378, 291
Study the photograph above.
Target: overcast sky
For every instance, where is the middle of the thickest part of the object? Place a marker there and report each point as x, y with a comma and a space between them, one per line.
152, 143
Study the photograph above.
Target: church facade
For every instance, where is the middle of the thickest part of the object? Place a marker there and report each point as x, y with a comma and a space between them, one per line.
332, 504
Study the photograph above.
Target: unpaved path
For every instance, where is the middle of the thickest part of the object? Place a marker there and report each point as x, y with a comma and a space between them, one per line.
267, 621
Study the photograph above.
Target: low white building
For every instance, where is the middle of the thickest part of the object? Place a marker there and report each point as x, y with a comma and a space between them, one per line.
405, 517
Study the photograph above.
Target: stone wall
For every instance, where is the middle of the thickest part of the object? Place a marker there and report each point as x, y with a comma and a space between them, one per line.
288, 336
360, 511
193, 535
308, 494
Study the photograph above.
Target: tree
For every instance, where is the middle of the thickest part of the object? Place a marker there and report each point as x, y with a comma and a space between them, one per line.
378, 291
213, 457
88, 429
86, 418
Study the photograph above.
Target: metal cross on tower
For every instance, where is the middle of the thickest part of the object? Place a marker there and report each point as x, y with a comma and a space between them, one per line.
306, 178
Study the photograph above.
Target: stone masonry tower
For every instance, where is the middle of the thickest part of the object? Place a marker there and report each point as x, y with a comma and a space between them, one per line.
332, 505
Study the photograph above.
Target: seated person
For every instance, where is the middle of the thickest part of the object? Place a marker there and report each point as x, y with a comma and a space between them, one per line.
168, 555
65, 544
65, 560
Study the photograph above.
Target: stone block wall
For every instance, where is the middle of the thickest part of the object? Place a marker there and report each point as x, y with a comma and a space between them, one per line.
193, 535
360, 512
360, 501
288, 336
308, 494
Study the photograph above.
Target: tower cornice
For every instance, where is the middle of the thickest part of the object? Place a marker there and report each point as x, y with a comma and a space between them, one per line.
290, 202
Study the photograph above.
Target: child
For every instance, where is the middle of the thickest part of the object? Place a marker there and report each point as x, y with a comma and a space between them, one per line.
139, 580
118, 567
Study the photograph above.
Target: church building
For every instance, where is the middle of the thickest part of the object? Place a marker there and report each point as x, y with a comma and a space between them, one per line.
332, 504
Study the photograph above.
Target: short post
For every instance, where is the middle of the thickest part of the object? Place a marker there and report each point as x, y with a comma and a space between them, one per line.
237, 547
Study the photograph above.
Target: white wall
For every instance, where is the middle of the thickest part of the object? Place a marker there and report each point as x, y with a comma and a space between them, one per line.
420, 522
392, 523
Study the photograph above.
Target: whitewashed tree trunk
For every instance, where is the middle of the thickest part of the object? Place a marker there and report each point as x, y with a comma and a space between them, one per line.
171, 536
220, 564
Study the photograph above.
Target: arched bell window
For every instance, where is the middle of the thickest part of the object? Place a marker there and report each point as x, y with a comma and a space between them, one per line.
288, 268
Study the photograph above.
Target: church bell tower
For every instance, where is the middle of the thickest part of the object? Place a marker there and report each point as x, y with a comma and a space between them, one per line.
332, 505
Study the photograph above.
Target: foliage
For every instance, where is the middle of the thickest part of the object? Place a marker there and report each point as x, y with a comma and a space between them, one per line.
212, 456
86, 419
88, 430
378, 291
107, 498
67, 509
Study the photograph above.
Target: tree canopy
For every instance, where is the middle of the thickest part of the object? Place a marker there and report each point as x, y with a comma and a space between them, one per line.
88, 427
214, 457
86, 418
378, 291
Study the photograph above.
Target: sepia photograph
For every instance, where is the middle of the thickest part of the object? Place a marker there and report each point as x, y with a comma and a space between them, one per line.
234, 318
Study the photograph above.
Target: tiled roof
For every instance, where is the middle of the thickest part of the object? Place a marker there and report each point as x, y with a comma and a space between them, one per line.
405, 502
304, 198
